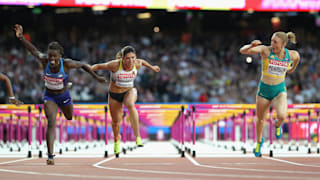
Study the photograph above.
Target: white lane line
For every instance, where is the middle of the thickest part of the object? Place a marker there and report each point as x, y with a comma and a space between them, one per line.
251, 170
80, 156
228, 175
290, 162
192, 160
13, 161
205, 174
148, 164
103, 161
151, 156
12, 155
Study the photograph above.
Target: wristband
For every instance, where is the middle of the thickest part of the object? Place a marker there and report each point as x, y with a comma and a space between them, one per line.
12, 97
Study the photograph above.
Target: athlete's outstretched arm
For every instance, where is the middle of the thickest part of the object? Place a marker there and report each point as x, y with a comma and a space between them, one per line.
33, 50
112, 65
296, 60
71, 64
12, 99
254, 48
146, 64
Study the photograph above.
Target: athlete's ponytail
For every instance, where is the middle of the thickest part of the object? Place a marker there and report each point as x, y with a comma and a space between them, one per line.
292, 37
285, 37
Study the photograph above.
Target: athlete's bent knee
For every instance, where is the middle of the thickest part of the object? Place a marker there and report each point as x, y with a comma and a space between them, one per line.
69, 118
260, 121
113, 122
130, 106
51, 124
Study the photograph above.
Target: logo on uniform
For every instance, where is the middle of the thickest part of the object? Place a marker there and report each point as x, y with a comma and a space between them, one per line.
65, 101
126, 76
272, 56
60, 75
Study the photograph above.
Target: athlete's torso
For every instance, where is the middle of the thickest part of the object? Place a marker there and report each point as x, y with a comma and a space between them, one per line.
55, 81
274, 69
124, 79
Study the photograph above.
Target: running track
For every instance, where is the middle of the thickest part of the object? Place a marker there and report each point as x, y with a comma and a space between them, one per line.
152, 162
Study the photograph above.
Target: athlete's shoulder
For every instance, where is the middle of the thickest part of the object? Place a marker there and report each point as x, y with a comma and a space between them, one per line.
138, 63
114, 61
66, 60
113, 64
265, 50
293, 51
294, 54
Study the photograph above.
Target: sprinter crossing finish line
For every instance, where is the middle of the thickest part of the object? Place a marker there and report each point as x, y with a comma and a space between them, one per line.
276, 62
122, 92
56, 69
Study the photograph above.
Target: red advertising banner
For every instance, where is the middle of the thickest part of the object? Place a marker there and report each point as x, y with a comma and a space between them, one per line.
301, 130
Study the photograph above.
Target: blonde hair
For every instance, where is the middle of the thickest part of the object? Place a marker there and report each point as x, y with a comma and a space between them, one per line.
285, 37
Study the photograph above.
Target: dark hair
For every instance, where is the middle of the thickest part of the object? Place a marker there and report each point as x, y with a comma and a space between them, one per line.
126, 50
56, 46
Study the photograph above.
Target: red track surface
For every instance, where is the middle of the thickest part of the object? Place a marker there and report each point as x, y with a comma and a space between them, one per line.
161, 168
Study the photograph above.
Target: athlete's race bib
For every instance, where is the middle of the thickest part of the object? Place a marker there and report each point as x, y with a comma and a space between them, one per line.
125, 79
277, 68
53, 83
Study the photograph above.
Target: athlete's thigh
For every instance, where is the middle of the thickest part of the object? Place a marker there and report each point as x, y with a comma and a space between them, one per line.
130, 98
50, 109
280, 104
262, 107
116, 109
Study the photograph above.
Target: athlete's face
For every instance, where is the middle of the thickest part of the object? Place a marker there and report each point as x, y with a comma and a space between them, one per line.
128, 60
277, 44
54, 58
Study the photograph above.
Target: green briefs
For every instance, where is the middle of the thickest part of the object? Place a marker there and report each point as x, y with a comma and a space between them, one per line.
270, 91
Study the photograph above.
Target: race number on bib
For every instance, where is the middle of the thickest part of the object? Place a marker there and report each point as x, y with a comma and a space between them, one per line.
277, 68
53, 83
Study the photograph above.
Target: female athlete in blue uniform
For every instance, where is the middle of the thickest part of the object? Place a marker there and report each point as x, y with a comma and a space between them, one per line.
12, 99
56, 95
121, 90
276, 62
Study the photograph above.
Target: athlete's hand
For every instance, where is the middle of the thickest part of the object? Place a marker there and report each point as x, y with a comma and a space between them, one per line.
255, 43
156, 68
17, 102
19, 31
102, 79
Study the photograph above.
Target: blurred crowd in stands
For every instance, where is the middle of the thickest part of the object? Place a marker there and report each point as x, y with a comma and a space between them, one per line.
197, 65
